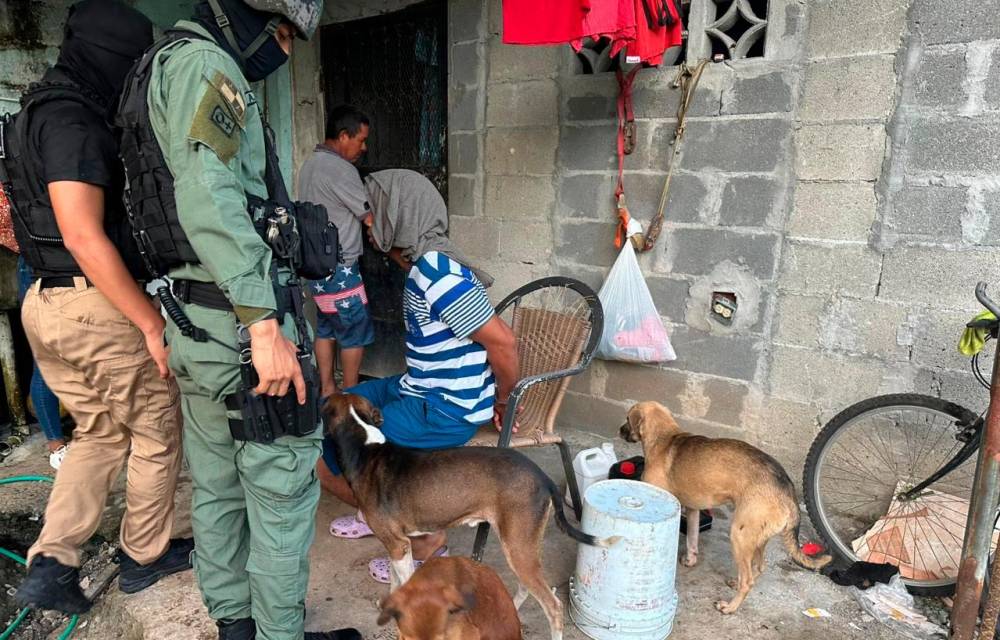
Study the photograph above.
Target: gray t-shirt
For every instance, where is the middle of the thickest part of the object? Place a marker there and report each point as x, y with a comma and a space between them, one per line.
327, 179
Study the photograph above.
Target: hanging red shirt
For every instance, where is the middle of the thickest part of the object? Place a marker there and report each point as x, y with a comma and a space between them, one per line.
547, 22
651, 40
543, 21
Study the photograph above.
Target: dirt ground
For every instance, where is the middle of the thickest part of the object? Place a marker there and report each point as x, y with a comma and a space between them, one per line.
342, 594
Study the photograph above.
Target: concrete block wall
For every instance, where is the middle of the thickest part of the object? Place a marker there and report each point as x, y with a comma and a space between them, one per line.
503, 141
844, 186
30, 33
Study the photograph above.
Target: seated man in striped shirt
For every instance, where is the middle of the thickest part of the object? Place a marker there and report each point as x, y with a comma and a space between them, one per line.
461, 359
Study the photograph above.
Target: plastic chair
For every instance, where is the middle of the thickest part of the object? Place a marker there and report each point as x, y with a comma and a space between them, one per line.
558, 322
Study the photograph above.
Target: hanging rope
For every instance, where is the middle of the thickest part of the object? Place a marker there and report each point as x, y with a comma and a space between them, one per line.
686, 80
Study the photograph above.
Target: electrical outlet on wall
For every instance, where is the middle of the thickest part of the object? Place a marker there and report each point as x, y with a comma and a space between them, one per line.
724, 307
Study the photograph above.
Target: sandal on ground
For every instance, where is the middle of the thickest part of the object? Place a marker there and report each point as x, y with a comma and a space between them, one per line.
378, 568
350, 527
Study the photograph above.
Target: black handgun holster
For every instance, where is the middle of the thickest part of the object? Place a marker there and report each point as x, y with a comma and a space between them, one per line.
266, 418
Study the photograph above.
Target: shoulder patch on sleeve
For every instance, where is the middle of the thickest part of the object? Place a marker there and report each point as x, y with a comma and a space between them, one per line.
231, 95
219, 117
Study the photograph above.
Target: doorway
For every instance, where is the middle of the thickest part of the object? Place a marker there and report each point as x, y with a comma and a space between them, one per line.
394, 67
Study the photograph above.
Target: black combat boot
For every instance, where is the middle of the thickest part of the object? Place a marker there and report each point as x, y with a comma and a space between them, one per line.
242, 629
246, 629
135, 577
339, 634
52, 585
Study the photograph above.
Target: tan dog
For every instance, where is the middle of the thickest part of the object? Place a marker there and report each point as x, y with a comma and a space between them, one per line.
706, 472
405, 493
452, 599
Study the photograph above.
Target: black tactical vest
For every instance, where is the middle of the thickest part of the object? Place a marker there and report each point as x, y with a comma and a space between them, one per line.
22, 174
149, 185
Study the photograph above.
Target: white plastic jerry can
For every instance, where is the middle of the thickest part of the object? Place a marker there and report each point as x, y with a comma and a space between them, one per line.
590, 466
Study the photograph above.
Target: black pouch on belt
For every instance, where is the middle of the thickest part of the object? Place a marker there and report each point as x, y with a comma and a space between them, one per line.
320, 242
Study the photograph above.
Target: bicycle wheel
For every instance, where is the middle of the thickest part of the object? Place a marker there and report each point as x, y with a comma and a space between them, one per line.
860, 464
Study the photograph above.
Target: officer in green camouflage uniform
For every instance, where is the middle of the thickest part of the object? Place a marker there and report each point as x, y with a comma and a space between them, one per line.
254, 504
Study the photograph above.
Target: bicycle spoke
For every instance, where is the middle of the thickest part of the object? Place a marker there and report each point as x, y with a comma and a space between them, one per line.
856, 495
876, 450
867, 475
947, 457
909, 447
924, 447
933, 552
888, 450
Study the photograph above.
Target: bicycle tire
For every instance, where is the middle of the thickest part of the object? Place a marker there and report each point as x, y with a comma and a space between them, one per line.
823, 438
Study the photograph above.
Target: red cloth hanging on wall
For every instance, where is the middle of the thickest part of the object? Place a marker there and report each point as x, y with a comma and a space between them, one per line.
624, 22
543, 21
651, 41
547, 22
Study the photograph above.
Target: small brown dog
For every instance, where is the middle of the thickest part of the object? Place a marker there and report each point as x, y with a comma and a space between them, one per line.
703, 473
405, 493
452, 599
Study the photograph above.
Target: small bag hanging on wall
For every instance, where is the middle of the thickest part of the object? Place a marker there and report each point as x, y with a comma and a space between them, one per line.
633, 330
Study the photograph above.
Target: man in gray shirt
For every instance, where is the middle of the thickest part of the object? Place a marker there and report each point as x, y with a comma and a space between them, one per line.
330, 178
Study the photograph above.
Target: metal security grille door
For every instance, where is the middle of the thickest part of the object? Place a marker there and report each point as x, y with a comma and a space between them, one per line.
394, 67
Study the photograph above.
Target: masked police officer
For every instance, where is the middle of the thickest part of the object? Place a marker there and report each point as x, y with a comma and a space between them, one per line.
255, 497
97, 337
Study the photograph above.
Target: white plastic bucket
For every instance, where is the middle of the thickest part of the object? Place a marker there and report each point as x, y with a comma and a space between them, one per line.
627, 590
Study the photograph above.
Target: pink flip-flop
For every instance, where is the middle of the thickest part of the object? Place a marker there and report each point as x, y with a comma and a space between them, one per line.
351, 527
378, 568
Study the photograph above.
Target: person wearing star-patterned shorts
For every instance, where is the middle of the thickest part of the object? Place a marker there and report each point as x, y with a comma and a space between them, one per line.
329, 177
343, 317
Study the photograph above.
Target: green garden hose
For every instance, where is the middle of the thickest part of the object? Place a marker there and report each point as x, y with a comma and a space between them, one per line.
9, 631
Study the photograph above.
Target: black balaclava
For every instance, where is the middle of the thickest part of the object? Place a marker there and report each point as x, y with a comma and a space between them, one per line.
247, 24
103, 39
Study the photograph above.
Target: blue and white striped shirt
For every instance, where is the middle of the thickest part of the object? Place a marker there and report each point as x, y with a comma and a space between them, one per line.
443, 304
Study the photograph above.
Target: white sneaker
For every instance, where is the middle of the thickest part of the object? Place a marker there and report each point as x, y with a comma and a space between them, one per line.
57, 456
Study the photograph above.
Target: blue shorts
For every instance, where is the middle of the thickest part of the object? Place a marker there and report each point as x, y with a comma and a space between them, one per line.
343, 308
407, 421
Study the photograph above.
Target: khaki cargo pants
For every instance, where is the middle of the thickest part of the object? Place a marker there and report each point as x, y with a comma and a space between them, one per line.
96, 362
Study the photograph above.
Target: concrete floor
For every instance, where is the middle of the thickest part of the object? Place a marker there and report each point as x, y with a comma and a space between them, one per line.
342, 594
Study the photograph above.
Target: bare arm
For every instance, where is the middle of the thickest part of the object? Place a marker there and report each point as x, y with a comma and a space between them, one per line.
79, 209
501, 353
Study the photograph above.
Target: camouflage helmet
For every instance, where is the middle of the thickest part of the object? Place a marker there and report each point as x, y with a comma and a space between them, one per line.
304, 14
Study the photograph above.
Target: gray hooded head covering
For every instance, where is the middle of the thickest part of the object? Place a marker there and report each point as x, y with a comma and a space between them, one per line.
410, 214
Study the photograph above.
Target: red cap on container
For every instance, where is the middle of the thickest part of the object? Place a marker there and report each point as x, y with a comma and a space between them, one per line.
812, 549
628, 468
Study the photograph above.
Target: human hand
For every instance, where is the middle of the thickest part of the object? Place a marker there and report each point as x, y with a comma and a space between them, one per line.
158, 349
275, 358
499, 408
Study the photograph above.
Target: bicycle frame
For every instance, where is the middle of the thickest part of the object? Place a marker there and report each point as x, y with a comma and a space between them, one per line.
970, 447
985, 496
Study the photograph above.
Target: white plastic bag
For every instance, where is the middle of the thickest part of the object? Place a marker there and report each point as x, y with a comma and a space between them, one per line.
633, 330
892, 605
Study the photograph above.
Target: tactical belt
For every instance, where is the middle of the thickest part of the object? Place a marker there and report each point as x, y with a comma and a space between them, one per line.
52, 282
206, 294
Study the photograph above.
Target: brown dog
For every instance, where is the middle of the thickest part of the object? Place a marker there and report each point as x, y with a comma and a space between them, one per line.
705, 472
452, 599
411, 492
